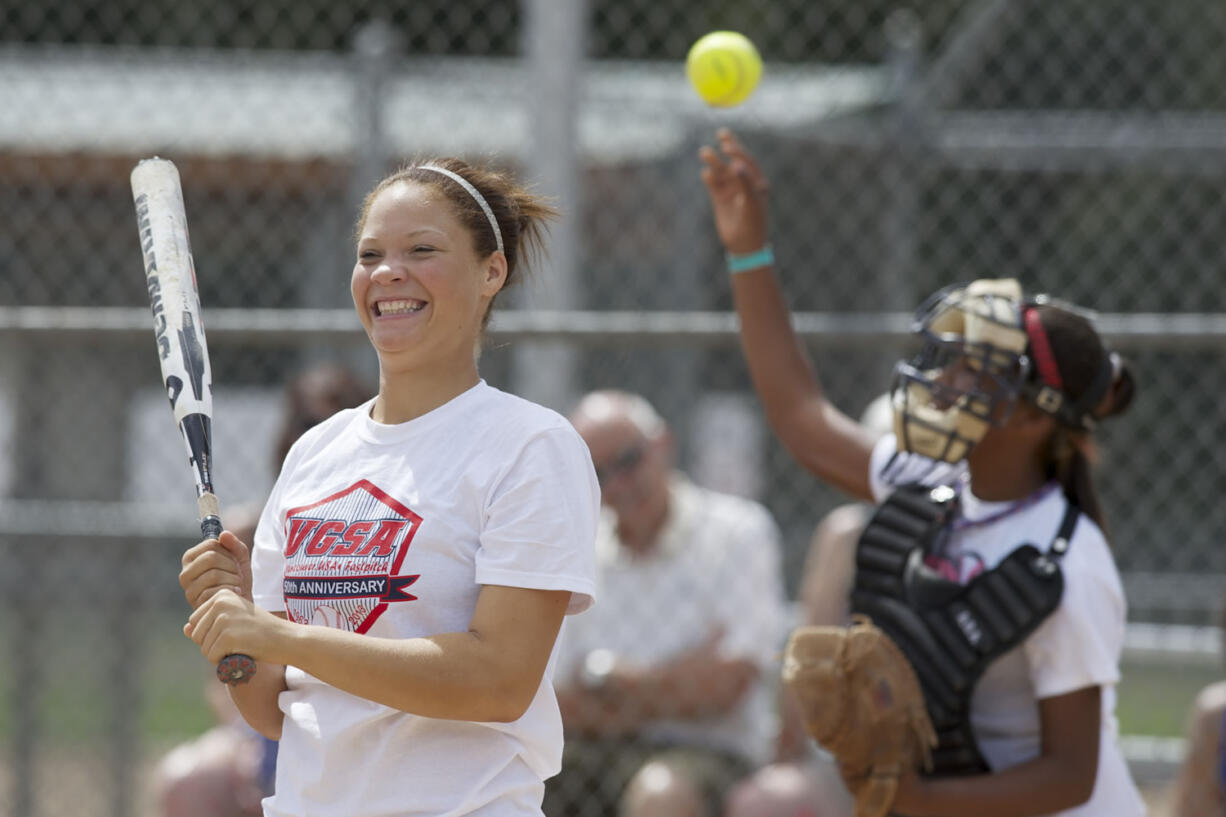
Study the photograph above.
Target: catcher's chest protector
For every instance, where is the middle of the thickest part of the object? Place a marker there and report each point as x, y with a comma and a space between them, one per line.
950, 632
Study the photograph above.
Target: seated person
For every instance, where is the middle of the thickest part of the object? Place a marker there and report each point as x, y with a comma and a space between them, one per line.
1200, 787
665, 686
802, 779
226, 771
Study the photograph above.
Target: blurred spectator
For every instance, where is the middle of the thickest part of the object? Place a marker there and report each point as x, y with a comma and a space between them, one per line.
1200, 786
665, 685
801, 769
314, 395
824, 599
802, 780
214, 775
225, 771
829, 567
229, 769
789, 790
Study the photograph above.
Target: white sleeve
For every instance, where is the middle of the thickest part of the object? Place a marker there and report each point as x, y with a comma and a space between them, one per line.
755, 618
884, 452
888, 468
1079, 645
539, 529
268, 553
268, 547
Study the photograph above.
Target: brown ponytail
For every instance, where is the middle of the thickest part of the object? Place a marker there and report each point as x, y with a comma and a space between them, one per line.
1071, 457
1094, 378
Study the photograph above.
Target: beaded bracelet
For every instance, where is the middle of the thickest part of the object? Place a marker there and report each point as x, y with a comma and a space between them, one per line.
764, 257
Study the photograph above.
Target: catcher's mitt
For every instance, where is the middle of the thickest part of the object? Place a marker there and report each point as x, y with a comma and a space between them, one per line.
862, 702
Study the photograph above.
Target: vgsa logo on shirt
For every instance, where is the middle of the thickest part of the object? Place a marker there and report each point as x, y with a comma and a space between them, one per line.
343, 556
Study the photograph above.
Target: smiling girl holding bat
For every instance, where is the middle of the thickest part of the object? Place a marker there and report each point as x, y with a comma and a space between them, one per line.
417, 555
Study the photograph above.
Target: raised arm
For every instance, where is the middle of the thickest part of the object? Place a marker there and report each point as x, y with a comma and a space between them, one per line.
823, 439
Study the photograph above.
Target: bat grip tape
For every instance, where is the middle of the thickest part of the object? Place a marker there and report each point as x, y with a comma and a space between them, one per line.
210, 513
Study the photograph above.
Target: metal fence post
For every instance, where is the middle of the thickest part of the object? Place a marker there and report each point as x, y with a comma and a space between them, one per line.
554, 40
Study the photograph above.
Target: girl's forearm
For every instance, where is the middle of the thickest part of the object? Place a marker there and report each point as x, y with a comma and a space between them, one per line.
1041, 786
453, 675
256, 700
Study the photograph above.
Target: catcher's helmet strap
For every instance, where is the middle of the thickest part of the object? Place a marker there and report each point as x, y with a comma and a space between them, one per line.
1047, 391
1064, 534
951, 632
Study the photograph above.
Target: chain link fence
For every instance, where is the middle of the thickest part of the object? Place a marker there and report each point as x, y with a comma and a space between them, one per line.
1077, 146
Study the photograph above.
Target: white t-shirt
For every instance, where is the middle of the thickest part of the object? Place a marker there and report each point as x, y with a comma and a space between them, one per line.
392, 530
1077, 646
716, 565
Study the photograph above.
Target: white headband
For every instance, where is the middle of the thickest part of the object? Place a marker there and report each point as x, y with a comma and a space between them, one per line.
477, 197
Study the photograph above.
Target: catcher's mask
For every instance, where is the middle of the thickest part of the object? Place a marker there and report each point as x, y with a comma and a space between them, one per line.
968, 373
983, 347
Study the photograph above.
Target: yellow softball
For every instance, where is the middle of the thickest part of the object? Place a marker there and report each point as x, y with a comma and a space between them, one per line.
724, 67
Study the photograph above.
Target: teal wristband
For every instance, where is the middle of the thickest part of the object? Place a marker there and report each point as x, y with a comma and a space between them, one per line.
764, 257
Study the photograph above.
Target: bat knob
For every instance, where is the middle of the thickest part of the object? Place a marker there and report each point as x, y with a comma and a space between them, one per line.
235, 669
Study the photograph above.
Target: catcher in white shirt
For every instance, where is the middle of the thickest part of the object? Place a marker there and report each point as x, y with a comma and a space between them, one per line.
418, 554
999, 407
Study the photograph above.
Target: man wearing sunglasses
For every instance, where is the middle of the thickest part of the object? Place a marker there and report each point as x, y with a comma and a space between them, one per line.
666, 686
